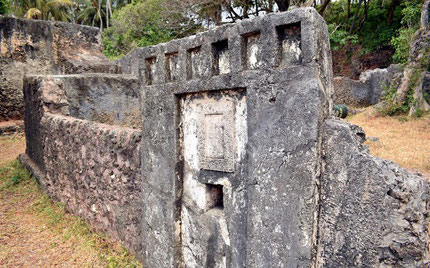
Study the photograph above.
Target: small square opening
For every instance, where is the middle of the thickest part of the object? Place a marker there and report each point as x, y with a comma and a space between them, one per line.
172, 67
250, 50
215, 198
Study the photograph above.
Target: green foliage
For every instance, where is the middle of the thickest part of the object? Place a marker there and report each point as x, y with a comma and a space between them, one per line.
4, 7
392, 108
418, 113
373, 31
144, 23
411, 13
377, 32
339, 37
88, 13
401, 44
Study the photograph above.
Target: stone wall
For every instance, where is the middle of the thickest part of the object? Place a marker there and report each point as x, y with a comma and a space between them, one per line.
91, 167
102, 98
373, 213
42, 47
366, 91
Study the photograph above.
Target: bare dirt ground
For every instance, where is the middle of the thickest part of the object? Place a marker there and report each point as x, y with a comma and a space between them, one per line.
11, 147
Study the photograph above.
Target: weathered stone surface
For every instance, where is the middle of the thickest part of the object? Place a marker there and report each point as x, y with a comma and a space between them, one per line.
103, 98
368, 90
11, 127
93, 168
373, 213
42, 47
281, 64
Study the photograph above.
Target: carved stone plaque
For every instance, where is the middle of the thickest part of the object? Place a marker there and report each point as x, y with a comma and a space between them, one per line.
214, 130
215, 136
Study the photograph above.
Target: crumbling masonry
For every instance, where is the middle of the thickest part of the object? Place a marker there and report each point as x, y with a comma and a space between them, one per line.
219, 150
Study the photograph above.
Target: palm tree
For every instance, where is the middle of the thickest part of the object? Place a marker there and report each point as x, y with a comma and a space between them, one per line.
43, 9
91, 13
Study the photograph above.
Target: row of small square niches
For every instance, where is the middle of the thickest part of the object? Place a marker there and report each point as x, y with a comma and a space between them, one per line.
288, 52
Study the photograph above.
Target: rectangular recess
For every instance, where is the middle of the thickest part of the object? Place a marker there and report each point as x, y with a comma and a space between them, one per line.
214, 196
193, 69
172, 66
221, 59
149, 68
249, 50
289, 44
216, 121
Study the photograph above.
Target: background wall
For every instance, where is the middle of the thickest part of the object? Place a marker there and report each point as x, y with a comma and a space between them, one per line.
42, 47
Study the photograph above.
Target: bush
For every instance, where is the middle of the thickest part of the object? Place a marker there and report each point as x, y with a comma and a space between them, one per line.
4, 7
401, 44
411, 13
340, 37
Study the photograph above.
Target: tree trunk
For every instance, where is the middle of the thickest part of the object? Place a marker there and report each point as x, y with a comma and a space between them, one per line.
394, 4
324, 6
283, 5
366, 6
418, 62
355, 16
99, 7
425, 14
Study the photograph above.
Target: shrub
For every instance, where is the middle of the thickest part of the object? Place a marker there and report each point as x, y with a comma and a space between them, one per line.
4, 7
411, 13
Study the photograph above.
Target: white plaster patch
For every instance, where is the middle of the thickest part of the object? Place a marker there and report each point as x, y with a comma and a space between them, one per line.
291, 51
195, 191
191, 251
224, 63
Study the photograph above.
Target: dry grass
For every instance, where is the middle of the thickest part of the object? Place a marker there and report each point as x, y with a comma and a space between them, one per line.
37, 232
405, 141
10, 148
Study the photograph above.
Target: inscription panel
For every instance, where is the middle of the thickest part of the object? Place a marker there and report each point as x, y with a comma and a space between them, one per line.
216, 136
214, 127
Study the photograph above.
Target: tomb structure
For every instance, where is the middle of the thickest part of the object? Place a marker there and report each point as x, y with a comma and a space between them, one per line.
235, 160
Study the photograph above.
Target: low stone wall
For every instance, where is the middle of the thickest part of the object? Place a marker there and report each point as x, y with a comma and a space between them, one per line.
43, 47
93, 168
368, 90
